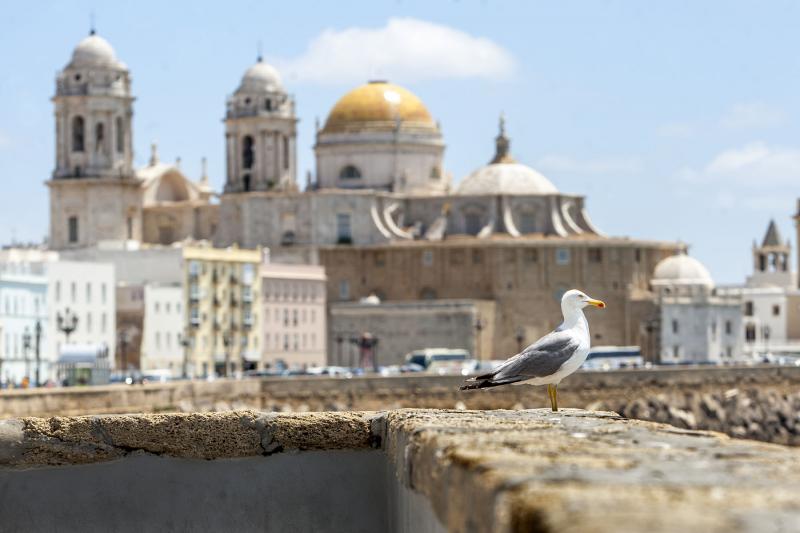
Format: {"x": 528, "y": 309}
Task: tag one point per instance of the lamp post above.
{"x": 26, "y": 346}
{"x": 479, "y": 325}
{"x": 520, "y": 336}
{"x": 122, "y": 339}
{"x": 339, "y": 341}
{"x": 186, "y": 342}
{"x": 67, "y": 322}
{"x": 226, "y": 341}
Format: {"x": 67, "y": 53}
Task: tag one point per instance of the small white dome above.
{"x": 682, "y": 270}
{"x": 506, "y": 178}
{"x": 94, "y": 51}
{"x": 261, "y": 78}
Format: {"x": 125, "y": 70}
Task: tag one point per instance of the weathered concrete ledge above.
{"x": 533, "y": 470}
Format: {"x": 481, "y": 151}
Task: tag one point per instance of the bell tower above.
{"x": 771, "y": 260}
{"x": 94, "y": 193}
{"x": 260, "y": 134}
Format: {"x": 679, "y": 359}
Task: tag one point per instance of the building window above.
{"x": 247, "y": 152}
{"x": 268, "y": 104}
{"x": 88, "y": 293}
{"x": 637, "y": 255}
{"x": 120, "y": 136}
{"x": 88, "y": 322}
{"x": 427, "y": 294}
{"x": 58, "y": 292}
{"x": 472, "y": 223}
{"x": 456, "y": 257}
{"x": 350, "y": 172}
{"x": 130, "y": 228}
{"x": 380, "y": 259}
{"x": 343, "y": 229}
{"x": 72, "y": 227}
{"x": 103, "y": 323}
{"x": 427, "y": 258}
{"x": 527, "y": 223}
{"x": 728, "y": 327}
{"x": 595, "y": 255}
{"x": 714, "y": 330}
{"x": 344, "y": 290}
{"x": 776, "y": 310}
{"x": 436, "y": 173}
{"x": 562, "y": 256}
{"x": 477, "y": 257}
{"x": 674, "y": 326}
{"x": 729, "y": 352}
{"x": 676, "y": 351}
{"x": 748, "y": 309}
{"x": 285, "y": 152}
{"x": 158, "y": 339}
{"x": 77, "y": 134}
{"x": 100, "y": 137}
{"x": 750, "y": 333}
{"x": 530, "y": 255}
{"x": 294, "y": 318}
{"x": 73, "y": 292}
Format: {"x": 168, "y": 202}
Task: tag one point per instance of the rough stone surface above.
{"x": 754, "y": 402}
{"x": 506, "y": 471}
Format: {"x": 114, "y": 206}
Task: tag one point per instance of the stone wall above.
{"x": 403, "y": 471}
{"x": 757, "y": 402}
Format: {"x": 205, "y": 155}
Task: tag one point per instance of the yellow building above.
{"x": 222, "y": 291}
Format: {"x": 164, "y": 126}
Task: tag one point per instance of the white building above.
{"x": 37, "y": 286}
{"x": 697, "y": 325}
{"x": 770, "y": 300}
{"x": 293, "y": 317}
{"x": 162, "y": 346}
{"x": 85, "y": 291}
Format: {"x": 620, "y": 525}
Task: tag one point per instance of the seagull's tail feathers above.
{"x": 487, "y": 380}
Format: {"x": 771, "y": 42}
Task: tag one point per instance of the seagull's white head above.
{"x": 575, "y": 299}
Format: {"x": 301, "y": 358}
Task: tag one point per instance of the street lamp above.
{"x": 67, "y": 322}
{"x": 26, "y": 346}
{"x": 122, "y": 339}
{"x": 520, "y": 336}
{"x": 186, "y": 342}
{"x": 226, "y": 341}
{"x": 479, "y": 325}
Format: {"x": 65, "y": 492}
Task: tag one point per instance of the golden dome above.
{"x": 376, "y": 106}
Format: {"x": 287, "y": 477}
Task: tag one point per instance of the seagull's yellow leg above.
{"x": 551, "y": 392}
{"x": 555, "y": 397}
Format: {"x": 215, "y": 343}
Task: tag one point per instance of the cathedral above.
{"x": 380, "y": 212}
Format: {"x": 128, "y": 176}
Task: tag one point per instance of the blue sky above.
{"x": 678, "y": 120}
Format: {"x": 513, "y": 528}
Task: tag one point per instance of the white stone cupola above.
{"x": 93, "y": 111}
{"x": 260, "y": 133}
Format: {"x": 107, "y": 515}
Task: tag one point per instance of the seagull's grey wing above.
{"x": 542, "y": 358}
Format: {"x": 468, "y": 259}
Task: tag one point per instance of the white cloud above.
{"x": 752, "y": 115}
{"x": 754, "y": 165}
{"x": 741, "y": 116}
{"x": 405, "y": 49}
{"x": 680, "y": 130}
{"x": 601, "y": 165}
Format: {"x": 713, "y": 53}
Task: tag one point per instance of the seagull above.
{"x": 550, "y": 359}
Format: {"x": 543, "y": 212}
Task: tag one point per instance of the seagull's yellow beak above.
{"x": 597, "y": 303}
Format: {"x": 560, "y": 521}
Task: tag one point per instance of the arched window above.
{"x": 247, "y": 152}
{"x": 120, "y": 136}
{"x": 77, "y": 134}
{"x": 350, "y": 172}
{"x": 99, "y": 137}
{"x": 472, "y": 223}
{"x": 268, "y": 104}
{"x": 436, "y": 173}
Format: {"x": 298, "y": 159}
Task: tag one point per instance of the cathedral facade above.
{"x": 381, "y": 212}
